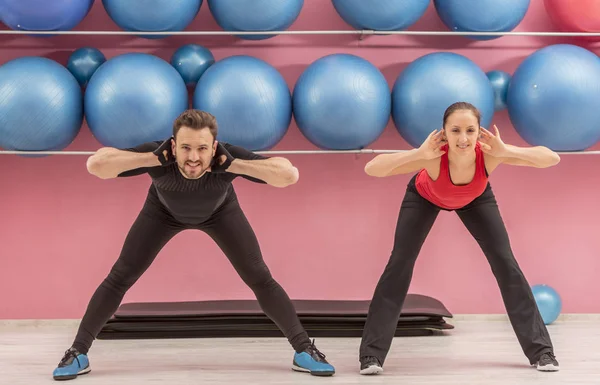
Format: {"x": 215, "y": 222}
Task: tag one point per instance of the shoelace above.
{"x": 371, "y": 359}
{"x": 68, "y": 354}
{"x": 314, "y": 349}
{"x": 549, "y": 355}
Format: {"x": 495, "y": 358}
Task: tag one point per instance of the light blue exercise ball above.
{"x": 553, "y": 98}
{"x": 255, "y": 15}
{"x": 152, "y": 15}
{"x": 381, "y": 15}
{"x": 44, "y": 15}
{"x": 83, "y": 62}
{"x": 500, "y": 81}
{"x": 134, "y": 98}
{"x": 429, "y": 85}
{"x": 41, "y": 105}
{"x": 342, "y": 102}
{"x": 191, "y": 61}
{"x": 250, "y": 100}
{"x": 548, "y": 302}
{"x": 481, "y": 15}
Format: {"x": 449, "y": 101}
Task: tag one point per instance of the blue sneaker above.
{"x": 312, "y": 361}
{"x": 72, "y": 365}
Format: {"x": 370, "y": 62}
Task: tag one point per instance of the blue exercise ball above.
{"x": 255, "y": 15}
{"x": 382, "y": 15}
{"x": 191, "y": 61}
{"x": 152, "y": 15}
{"x": 430, "y": 84}
{"x": 481, "y": 15}
{"x": 548, "y": 302}
{"x": 341, "y": 102}
{"x": 500, "y": 81}
{"x": 83, "y": 62}
{"x": 134, "y": 98}
{"x": 43, "y": 15}
{"x": 553, "y": 98}
{"x": 41, "y": 105}
{"x": 250, "y": 100}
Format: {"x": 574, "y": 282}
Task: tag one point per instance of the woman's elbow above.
{"x": 551, "y": 160}
{"x": 93, "y": 164}
{"x": 370, "y": 170}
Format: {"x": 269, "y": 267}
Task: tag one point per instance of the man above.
{"x": 191, "y": 189}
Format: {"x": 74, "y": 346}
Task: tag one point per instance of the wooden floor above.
{"x": 478, "y": 351}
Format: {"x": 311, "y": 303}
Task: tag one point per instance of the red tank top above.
{"x": 443, "y": 192}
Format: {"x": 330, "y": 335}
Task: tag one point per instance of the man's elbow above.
{"x": 291, "y": 177}
{"x": 95, "y": 166}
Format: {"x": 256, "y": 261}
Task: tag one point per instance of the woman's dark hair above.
{"x": 462, "y": 106}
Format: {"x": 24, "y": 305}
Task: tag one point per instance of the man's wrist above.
{"x": 152, "y": 159}
{"x": 236, "y": 166}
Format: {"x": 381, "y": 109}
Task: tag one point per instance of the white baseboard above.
{"x": 35, "y": 323}
{"x": 503, "y": 317}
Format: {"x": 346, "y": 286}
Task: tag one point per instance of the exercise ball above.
{"x": 575, "y": 16}
{"x": 500, "y": 81}
{"x": 255, "y": 15}
{"x": 429, "y": 85}
{"x": 481, "y": 15}
{"x": 43, "y": 15}
{"x": 341, "y": 102}
{"x": 41, "y": 105}
{"x": 249, "y": 98}
{"x": 83, "y": 62}
{"x": 553, "y": 98}
{"x": 134, "y": 98}
{"x": 152, "y": 15}
{"x": 548, "y": 302}
{"x": 382, "y": 15}
{"x": 191, "y": 61}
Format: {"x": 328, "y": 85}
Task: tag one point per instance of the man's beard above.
{"x": 196, "y": 173}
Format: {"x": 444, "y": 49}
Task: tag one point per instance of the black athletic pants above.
{"x": 482, "y": 219}
{"x": 152, "y": 229}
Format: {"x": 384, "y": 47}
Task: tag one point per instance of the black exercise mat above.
{"x": 173, "y": 334}
{"x": 182, "y": 325}
{"x": 187, "y": 329}
{"x": 421, "y": 315}
{"x": 414, "y": 305}
{"x": 265, "y": 319}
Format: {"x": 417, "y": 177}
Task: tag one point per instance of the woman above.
{"x": 454, "y": 165}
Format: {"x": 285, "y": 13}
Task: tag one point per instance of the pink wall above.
{"x": 53, "y": 255}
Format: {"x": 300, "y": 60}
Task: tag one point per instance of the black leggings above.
{"x": 482, "y": 219}
{"x": 153, "y": 228}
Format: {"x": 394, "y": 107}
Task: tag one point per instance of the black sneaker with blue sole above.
{"x": 312, "y": 361}
{"x": 72, "y": 365}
